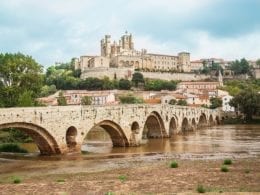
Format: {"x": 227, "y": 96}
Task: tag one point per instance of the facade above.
{"x": 122, "y": 54}
{"x": 73, "y": 97}
{"x": 225, "y": 104}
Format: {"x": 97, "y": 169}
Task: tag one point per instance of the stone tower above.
{"x": 220, "y": 79}
{"x": 106, "y": 46}
{"x": 184, "y": 61}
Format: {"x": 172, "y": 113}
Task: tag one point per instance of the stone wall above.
{"x": 126, "y": 73}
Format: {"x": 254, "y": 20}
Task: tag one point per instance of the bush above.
{"x": 174, "y": 164}
{"x": 201, "y": 189}
{"x": 227, "y": 162}
{"x": 17, "y": 180}
{"x": 224, "y": 168}
{"x": 122, "y": 178}
{"x": 12, "y": 148}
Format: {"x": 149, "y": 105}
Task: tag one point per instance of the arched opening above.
{"x": 217, "y": 120}
{"x": 102, "y": 137}
{"x": 172, "y": 127}
{"x": 135, "y": 127}
{"x": 211, "y": 121}
{"x": 71, "y": 135}
{"x": 154, "y": 127}
{"x": 41, "y": 137}
{"x": 193, "y": 123}
{"x": 185, "y": 125}
{"x": 202, "y": 120}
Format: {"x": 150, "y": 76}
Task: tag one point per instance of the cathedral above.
{"x": 122, "y": 54}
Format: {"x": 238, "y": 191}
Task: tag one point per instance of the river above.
{"x": 218, "y": 139}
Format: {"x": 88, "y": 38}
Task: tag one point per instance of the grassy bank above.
{"x": 239, "y": 121}
{"x": 12, "y": 147}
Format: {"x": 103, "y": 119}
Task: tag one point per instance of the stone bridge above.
{"x": 61, "y": 129}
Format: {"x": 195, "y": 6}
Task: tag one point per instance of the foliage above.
{"x": 62, "y": 100}
{"x": 234, "y": 87}
{"x": 172, "y": 102}
{"x": 18, "y": 73}
{"x": 11, "y": 147}
{"x": 137, "y": 78}
{"x": 182, "y": 103}
{"x": 215, "y": 102}
{"x": 130, "y": 99}
{"x": 12, "y": 135}
{"x": 258, "y": 63}
{"x": 86, "y": 100}
{"x": 174, "y": 164}
{"x": 248, "y": 102}
{"x": 47, "y": 90}
{"x": 124, "y": 84}
{"x": 17, "y": 180}
{"x": 25, "y": 99}
{"x": 158, "y": 85}
{"x": 240, "y": 67}
{"x": 213, "y": 67}
{"x": 201, "y": 189}
{"x": 224, "y": 168}
{"x": 122, "y": 178}
{"x": 227, "y": 162}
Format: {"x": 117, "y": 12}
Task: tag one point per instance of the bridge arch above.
{"x": 135, "y": 128}
{"x": 42, "y": 138}
{"x": 211, "y": 121}
{"x": 217, "y": 120}
{"x": 115, "y": 132}
{"x": 193, "y": 124}
{"x": 173, "y": 126}
{"x": 71, "y": 135}
{"x": 154, "y": 126}
{"x": 202, "y": 120}
{"x": 185, "y": 125}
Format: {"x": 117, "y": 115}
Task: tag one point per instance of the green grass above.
{"x": 227, "y": 162}
{"x": 11, "y": 147}
{"x": 201, "y": 189}
{"x": 122, "y": 178}
{"x": 60, "y": 180}
{"x": 224, "y": 168}
{"x": 109, "y": 193}
{"x": 174, "y": 164}
{"x": 17, "y": 180}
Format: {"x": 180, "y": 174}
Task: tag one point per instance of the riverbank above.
{"x": 133, "y": 175}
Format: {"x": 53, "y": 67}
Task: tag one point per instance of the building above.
{"x": 73, "y": 97}
{"x": 225, "y": 104}
{"x": 122, "y": 54}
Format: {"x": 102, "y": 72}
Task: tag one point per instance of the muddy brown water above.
{"x": 217, "y": 139}
{"x": 211, "y": 142}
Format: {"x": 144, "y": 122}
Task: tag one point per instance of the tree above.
{"x": 137, "y": 78}
{"x": 182, "y": 103}
{"x": 47, "y": 90}
{"x": 18, "y": 73}
{"x": 61, "y": 100}
{"x": 25, "y": 99}
{"x": 86, "y": 100}
{"x": 215, "y": 102}
{"x": 172, "y": 102}
{"x": 130, "y": 99}
{"x": 240, "y": 67}
{"x": 124, "y": 84}
{"x": 248, "y": 102}
{"x": 258, "y": 63}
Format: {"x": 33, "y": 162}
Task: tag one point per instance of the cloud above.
{"x": 57, "y": 30}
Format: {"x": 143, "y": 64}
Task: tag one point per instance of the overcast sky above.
{"x": 57, "y": 30}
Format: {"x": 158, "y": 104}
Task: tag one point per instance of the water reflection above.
{"x": 228, "y": 138}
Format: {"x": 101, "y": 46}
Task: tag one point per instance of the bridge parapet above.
{"x": 62, "y": 128}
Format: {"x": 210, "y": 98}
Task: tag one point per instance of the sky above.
{"x": 57, "y": 30}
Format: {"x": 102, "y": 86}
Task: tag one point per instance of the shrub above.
{"x": 201, "y": 189}
{"x": 61, "y": 180}
{"x": 10, "y": 147}
{"x": 227, "y": 162}
{"x": 122, "y": 178}
{"x": 17, "y": 180}
{"x": 224, "y": 168}
{"x": 174, "y": 164}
